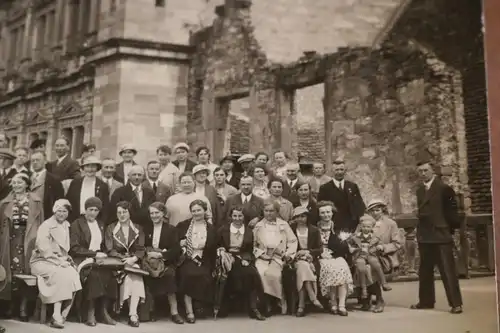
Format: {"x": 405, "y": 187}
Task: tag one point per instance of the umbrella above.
{"x": 223, "y": 266}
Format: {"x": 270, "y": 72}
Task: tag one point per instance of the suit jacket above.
{"x": 235, "y": 180}
{"x": 210, "y": 250}
{"x": 312, "y": 207}
{"x": 224, "y": 240}
{"x": 349, "y": 203}
{"x": 73, "y": 196}
{"x": 114, "y": 186}
{"x": 189, "y": 165}
{"x": 437, "y": 213}
{"x": 120, "y": 172}
{"x": 139, "y": 212}
{"x": 169, "y": 242}
{"x": 163, "y": 191}
{"x": 315, "y": 185}
{"x": 67, "y": 169}
{"x": 52, "y": 191}
{"x": 251, "y": 210}
{"x": 290, "y": 193}
{"x": 217, "y": 209}
{"x": 80, "y": 237}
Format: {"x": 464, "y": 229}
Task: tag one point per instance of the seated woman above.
{"x": 125, "y": 240}
{"x": 21, "y": 215}
{"x": 99, "y": 283}
{"x": 304, "y": 198}
{"x": 163, "y": 252}
{"x": 198, "y": 239}
{"x": 335, "y": 277}
{"x": 57, "y": 277}
{"x": 306, "y": 260}
{"x": 235, "y": 241}
{"x": 274, "y": 245}
{"x": 275, "y": 186}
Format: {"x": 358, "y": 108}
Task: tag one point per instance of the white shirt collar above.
{"x": 247, "y": 197}
{"x": 153, "y": 182}
{"x": 134, "y": 188}
{"x": 429, "y": 183}
{"x": 339, "y": 182}
{"x": 235, "y": 230}
{"x": 59, "y": 160}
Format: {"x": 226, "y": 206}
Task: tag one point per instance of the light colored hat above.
{"x": 181, "y": 145}
{"x": 200, "y": 167}
{"x": 246, "y": 158}
{"x": 299, "y": 211}
{"x": 7, "y": 154}
{"x": 92, "y": 160}
{"x": 126, "y": 147}
{"x": 61, "y": 203}
{"x": 375, "y": 203}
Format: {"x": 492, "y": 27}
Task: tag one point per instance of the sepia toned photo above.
{"x": 232, "y": 165}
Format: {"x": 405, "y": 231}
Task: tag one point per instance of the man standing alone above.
{"x": 437, "y": 219}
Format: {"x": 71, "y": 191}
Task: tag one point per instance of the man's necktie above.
{"x": 245, "y": 201}
{"x": 341, "y": 187}
{"x": 137, "y": 194}
{"x": 155, "y": 188}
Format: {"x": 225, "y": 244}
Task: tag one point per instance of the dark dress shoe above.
{"x": 343, "y": 313}
{"x": 133, "y": 321}
{"x": 152, "y": 317}
{"x": 2, "y": 329}
{"x": 177, "y": 319}
{"x": 191, "y": 320}
{"x": 24, "y": 318}
{"x": 255, "y": 314}
{"x": 456, "y": 310}
{"x": 419, "y": 306}
{"x": 300, "y": 313}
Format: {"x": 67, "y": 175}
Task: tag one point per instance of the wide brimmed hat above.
{"x": 228, "y": 158}
{"x": 299, "y": 211}
{"x": 92, "y": 160}
{"x": 376, "y": 203}
{"x": 200, "y": 168}
{"x": 6, "y": 153}
{"x": 181, "y": 145}
{"x": 38, "y": 143}
{"x": 126, "y": 147}
{"x": 246, "y": 158}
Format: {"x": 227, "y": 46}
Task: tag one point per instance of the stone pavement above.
{"x": 479, "y": 317}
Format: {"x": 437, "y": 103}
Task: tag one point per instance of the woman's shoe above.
{"x": 133, "y": 321}
{"x": 190, "y": 319}
{"x": 343, "y": 312}
{"x": 255, "y": 314}
{"x": 334, "y": 310}
{"x": 386, "y": 287}
{"x": 300, "y": 312}
{"x": 176, "y": 318}
{"x": 318, "y": 304}
{"x": 24, "y": 318}
{"x": 379, "y": 307}
{"x": 56, "y": 324}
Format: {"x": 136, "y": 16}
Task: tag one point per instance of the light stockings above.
{"x": 133, "y": 305}
{"x": 306, "y": 288}
{"x": 188, "y": 302}
{"x": 339, "y": 292}
{"x": 172, "y": 301}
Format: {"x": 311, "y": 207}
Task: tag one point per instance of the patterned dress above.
{"x": 19, "y": 218}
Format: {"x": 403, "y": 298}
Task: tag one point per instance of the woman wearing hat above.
{"x": 306, "y": 261}
{"x": 57, "y": 277}
{"x": 182, "y": 162}
{"x": 87, "y": 187}
{"x": 87, "y": 241}
{"x": 127, "y": 153}
{"x": 391, "y": 241}
{"x": 21, "y": 214}
{"x": 162, "y": 257}
{"x": 233, "y": 177}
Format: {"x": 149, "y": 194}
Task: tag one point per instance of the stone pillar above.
{"x": 73, "y": 142}
{"x": 28, "y": 35}
{"x": 328, "y": 108}
{"x": 87, "y": 127}
{"x": 82, "y": 16}
{"x": 94, "y": 16}
{"x": 288, "y": 123}
{"x": 4, "y": 46}
{"x": 66, "y": 26}
{"x": 51, "y": 137}
{"x": 58, "y": 23}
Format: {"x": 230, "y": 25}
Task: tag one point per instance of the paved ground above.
{"x": 479, "y": 317}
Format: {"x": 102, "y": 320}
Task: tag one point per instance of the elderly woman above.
{"x": 125, "y": 240}
{"x": 198, "y": 239}
{"x": 178, "y": 205}
{"x": 306, "y": 260}
{"x": 391, "y": 241}
{"x": 275, "y": 186}
{"x": 304, "y": 198}
{"x": 235, "y": 241}
{"x": 259, "y": 173}
{"x": 163, "y": 252}
{"x": 335, "y": 277}
{"x": 274, "y": 245}
{"x": 20, "y": 217}
{"x": 87, "y": 245}
{"x": 57, "y": 277}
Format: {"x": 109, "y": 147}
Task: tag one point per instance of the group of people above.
{"x": 101, "y": 236}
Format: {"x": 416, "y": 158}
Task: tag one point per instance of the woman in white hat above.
{"x": 57, "y": 277}
{"x": 127, "y": 153}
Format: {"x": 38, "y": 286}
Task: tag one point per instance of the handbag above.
{"x": 386, "y": 264}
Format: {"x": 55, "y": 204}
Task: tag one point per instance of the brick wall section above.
{"x": 240, "y": 136}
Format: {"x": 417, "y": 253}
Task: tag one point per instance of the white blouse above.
{"x": 198, "y": 239}
{"x": 88, "y": 191}
{"x": 95, "y": 236}
{"x": 156, "y": 234}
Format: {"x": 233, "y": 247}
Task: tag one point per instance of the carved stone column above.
{"x": 51, "y": 137}
{"x": 67, "y": 23}
{"x": 94, "y": 16}
{"x": 28, "y": 35}
{"x": 58, "y": 23}
{"x": 87, "y": 127}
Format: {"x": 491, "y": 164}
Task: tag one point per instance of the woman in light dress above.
{"x": 259, "y": 172}
{"x": 274, "y": 245}
{"x": 57, "y": 277}
{"x": 335, "y": 279}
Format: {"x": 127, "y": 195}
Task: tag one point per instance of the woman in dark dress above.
{"x": 304, "y": 198}
{"x": 306, "y": 260}
{"x": 198, "y": 239}
{"x": 162, "y": 256}
{"x": 235, "y": 242}
{"x": 87, "y": 244}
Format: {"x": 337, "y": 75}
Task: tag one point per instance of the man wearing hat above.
{"x": 44, "y": 184}
{"x": 232, "y": 178}
{"x": 87, "y": 187}
{"x": 246, "y": 162}
{"x": 202, "y": 186}
{"x": 6, "y": 158}
{"x": 127, "y": 153}
{"x": 182, "y": 162}
{"x": 64, "y": 167}
{"x": 38, "y": 145}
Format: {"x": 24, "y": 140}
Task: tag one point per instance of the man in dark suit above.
{"x": 64, "y": 167}
{"x": 182, "y": 162}
{"x": 44, "y": 184}
{"x": 138, "y": 196}
{"x": 437, "y": 219}
{"x": 292, "y": 182}
{"x": 253, "y": 207}
{"x": 346, "y": 197}
{"x": 127, "y": 153}
{"x": 161, "y": 190}
{"x": 107, "y": 175}
{"x": 6, "y": 159}
{"x": 87, "y": 187}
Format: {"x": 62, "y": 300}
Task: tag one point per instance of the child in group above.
{"x": 365, "y": 248}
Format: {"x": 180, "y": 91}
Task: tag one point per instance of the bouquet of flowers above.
{"x": 304, "y": 255}
{"x": 344, "y": 236}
